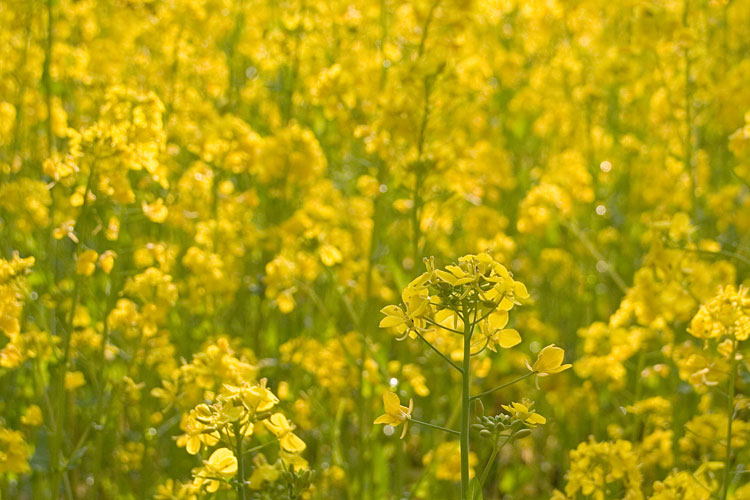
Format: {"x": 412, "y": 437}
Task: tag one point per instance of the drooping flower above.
{"x": 395, "y": 413}
{"x": 282, "y": 429}
{"x": 549, "y": 361}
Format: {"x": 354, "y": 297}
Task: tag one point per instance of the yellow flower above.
{"x": 86, "y": 263}
{"x": 395, "y": 413}
{"x": 14, "y": 457}
{"x": 293, "y": 460}
{"x": 454, "y": 275}
{"x": 257, "y": 397}
{"x": 222, "y": 462}
{"x": 221, "y": 465}
{"x": 549, "y": 361}
{"x": 492, "y": 332}
{"x": 524, "y": 413}
{"x": 330, "y": 255}
{"x": 107, "y": 261}
{"x": 33, "y": 416}
{"x": 447, "y": 458}
{"x": 74, "y": 380}
{"x": 156, "y": 211}
{"x": 282, "y": 429}
{"x": 197, "y": 432}
{"x": 262, "y": 472}
{"x": 394, "y": 318}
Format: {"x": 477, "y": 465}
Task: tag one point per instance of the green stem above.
{"x": 465, "y": 405}
{"x": 446, "y": 328}
{"x": 495, "y": 450}
{"x": 56, "y": 446}
{"x": 446, "y": 358}
{"x": 730, "y": 418}
{"x": 47, "y": 76}
{"x": 427, "y": 424}
{"x": 240, "y": 462}
{"x": 499, "y": 387}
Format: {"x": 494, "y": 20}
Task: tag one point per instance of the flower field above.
{"x": 375, "y": 249}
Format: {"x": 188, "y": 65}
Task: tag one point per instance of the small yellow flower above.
{"x": 74, "y": 380}
{"x": 156, "y": 211}
{"x": 524, "y": 413}
{"x": 282, "y": 429}
{"x": 549, "y": 361}
{"x": 221, "y": 464}
{"x": 447, "y": 459}
{"x": 86, "y": 263}
{"x": 33, "y": 416}
{"x": 395, "y": 413}
{"x": 492, "y": 332}
{"x": 107, "y": 261}
{"x": 330, "y": 255}
{"x": 394, "y": 318}
{"x": 262, "y": 472}
{"x": 257, "y": 397}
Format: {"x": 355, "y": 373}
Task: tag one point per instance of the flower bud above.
{"x": 522, "y": 433}
{"x": 478, "y": 408}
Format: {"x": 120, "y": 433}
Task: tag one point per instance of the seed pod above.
{"x": 522, "y": 433}
{"x": 262, "y": 415}
{"x": 478, "y": 408}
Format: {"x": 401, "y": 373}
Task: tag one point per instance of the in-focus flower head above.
{"x": 523, "y": 412}
{"x": 282, "y": 429}
{"x": 549, "y": 361}
{"x": 395, "y": 413}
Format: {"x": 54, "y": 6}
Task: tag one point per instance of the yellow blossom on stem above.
{"x": 221, "y": 465}
{"x": 524, "y": 413}
{"x": 282, "y": 429}
{"x": 86, "y": 262}
{"x": 549, "y": 361}
{"x": 395, "y": 412}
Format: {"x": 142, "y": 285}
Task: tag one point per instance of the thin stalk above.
{"x": 488, "y": 466}
{"x": 730, "y": 418}
{"x": 56, "y": 446}
{"x": 465, "y": 405}
{"x": 47, "y": 76}
{"x": 446, "y": 358}
{"x": 688, "y": 153}
{"x": 503, "y": 386}
{"x": 433, "y": 426}
{"x": 447, "y": 329}
{"x": 240, "y": 462}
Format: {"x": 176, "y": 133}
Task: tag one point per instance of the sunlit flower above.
{"x": 395, "y": 413}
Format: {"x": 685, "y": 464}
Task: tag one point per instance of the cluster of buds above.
{"x": 515, "y": 424}
{"x": 297, "y": 481}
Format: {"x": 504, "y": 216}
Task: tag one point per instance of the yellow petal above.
{"x": 498, "y": 319}
{"x": 549, "y": 358}
{"x": 392, "y": 403}
{"x": 391, "y": 322}
{"x": 519, "y": 290}
{"x": 387, "y": 419}
{"x": 508, "y": 338}
{"x": 292, "y": 443}
{"x": 193, "y": 445}
{"x": 536, "y": 419}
